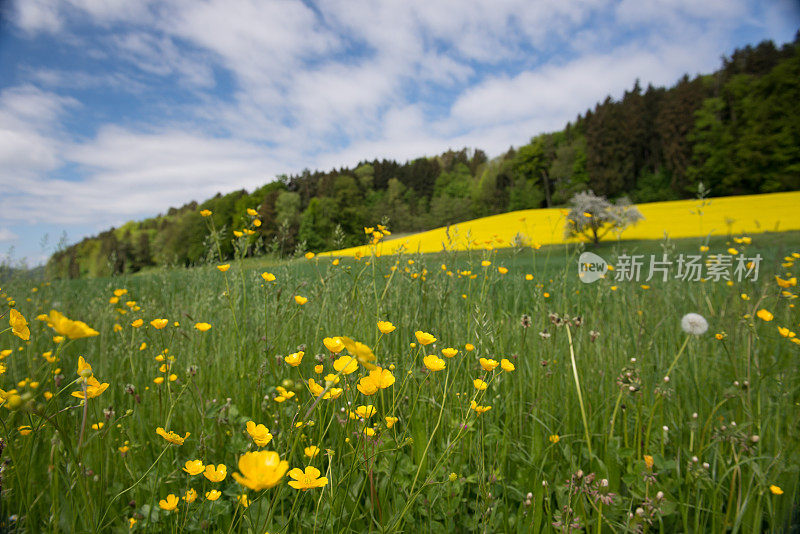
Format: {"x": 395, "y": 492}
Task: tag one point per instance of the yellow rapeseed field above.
{"x": 748, "y": 214}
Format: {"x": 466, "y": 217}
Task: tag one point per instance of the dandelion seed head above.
{"x": 694, "y": 323}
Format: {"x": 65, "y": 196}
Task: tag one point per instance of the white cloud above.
{"x": 7, "y": 235}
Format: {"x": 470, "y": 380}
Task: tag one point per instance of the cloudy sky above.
{"x": 112, "y": 110}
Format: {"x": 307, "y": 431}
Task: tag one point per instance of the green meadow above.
{"x": 554, "y": 413}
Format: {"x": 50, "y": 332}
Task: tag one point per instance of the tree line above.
{"x": 736, "y": 130}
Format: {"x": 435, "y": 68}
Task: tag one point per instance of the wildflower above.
{"x": 124, "y": 449}
{"x": 137, "y": 323}
{"x": 213, "y": 495}
{"x": 158, "y": 380}
{"x": 19, "y": 326}
{"x": 205, "y": 213}
{"x": 694, "y": 323}
{"x": 310, "y": 255}
{"x": 433, "y": 362}
{"x": 346, "y": 364}
{"x": 764, "y": 315}
{"x": 478, "y": 408}
{"x": 485, "y": 263}
{"x": 268, "y": 277}
{"x": 203, "y": 327}
{"x": 424, "y": 338}
{"x": 361, "y": 351}
{"x": 300, "y": 300}
{"x": 333, "y": 344}
{"x": 479, "y": 384}
{"x": 216, "y": 475}
{"x": 744, "y": 296}
{"x": 502, "y": 270}
{"x": 158, "y": 324}
{"x": 720, "y": 336}
{"x": 311, "y": 451}
{"x": 648, "y": 461}
{"x": 93, "y": 389}
{"x": 390, "y": 421}
{"x": 528, "y": 277}
{"x": 785, "y": 332}
{"x": 366, "y": 386}
{"x": 168, "y": 504}
{"x": 259, "y": 433}
{"x": 224, "y": 267}
{"x": 785, "y": 284}
{"x": 469, "y": 347}
{"x": 319, "y": 369}
{"x": 143, "y": 346}
{"x": 194, "y": 467}
{"x": 365, "y": 412}
{"x": 506, "y": 365}
{"x": 171, "y": 436}
{"x": 260, "y": 470}
{"x": 382, "y": 378}
{"x": 190, "y": 495}
{"x": 24, "y": 430}
{"x": 308, "y": 479}
{"x": 554, "y": 438}
{"x": 449, "y": 352}
{"x": 776, "y": 490}
{"x": 98, "y": 426}
{"x": 386, "y": 327}
{"x": 488, "y": 364}
{"x": 295, "y": 358}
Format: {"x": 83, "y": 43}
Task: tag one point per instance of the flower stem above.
{"x": 578, "y": 389}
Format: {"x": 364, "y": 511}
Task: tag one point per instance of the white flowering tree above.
{"x": 591, "y": 217}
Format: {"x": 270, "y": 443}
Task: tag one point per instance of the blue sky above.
{"x": 116, "y": 110}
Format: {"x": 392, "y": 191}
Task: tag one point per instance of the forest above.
{"x": 736, "y": 130}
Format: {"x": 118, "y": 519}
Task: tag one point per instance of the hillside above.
{"x": 737, "y": 130}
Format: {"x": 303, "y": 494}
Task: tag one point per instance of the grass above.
{"x": 583, "y": 433}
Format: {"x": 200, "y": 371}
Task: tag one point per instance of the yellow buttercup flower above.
{"x": 346, "y": 364}
{"x": 190, "y": 495}
{"x": 554, "y": 438}
{"x": 259, "y": 433}
{"x": 311, "y": 451}
{"x": 308, "y": 479}
{"x": 424, "y": 338}
{"x": 260, "y": 470}
{"x": 309, "y": 255}
{"x": 386, "y": 327}
{"x": 19, "y": 326}
{"x": 217, "y": 474}
{"x": 169, "y": 504}
{"x": 203, "y": 327}
{"x": 137, "y": 323}
{"x": 479, "y": 384}
{"x": 449, "y": 352}
{"x": 224, "y": 267}
{"x": 366, "y": 386}
{"x": 776, "y": 490}
{"x": 68, "y": 327}
{"x": 205, "y": 213}
{"x": 502, "y": 270}
{"x": 333, "y": 344}
{"x": 469, "y": 347}
{"x": 488, "y": 364}
{"x": 158, "y": 324}
{"x": 194, "y": 467}
{"x": 171, "y": 436}
{"x": 433, "y": 362}
{"x": 365, "y": 412}
{"x": 361, "y": 351}
{"x": 478, "y": 408}
{"x": 243, "y": 500}
{"x": 300, "y": 300}
{"x": 785, "y": 284}
{"x": 93, "y": 389}
{"x": 486, "y": 263}
{"x": 24, "y": 430}
{"x": 506, "y": 365}
{"x": 295, "y": 358}
{"x": 268, "y": 277}
{"x": 251, "y": 212}
{"x": 764, "y": 315}
{"x": 119, "y": 292}
{"x": 390, "y": 421}
{"x": 648, "y": 461}
{"x": 213, "y": 495}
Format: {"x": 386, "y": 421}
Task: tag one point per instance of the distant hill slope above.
{"x": 737, "y": 130}
{"x": 737, "y": 216}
